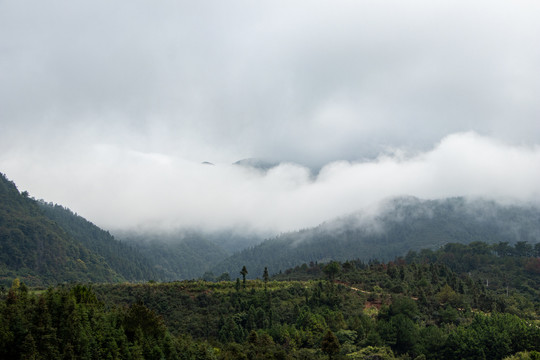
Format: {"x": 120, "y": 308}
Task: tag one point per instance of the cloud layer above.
{"x": 309, "y": 84}
{"x": 128, "y": 189}
{"x": 110, "y": 108}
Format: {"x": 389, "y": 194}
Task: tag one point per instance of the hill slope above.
{"x": 44, "y": 244}
{"x": 401, "y": 225}
{"x": 124, "y": 259}
{"x": 178, "y": 256}
{"x": 39, "y": 251}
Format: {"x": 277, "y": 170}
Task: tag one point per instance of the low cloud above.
{"x": 121, "y": 189}
{"x": 110, "y": 109}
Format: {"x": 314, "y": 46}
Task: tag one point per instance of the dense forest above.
{"x": 180, "y": 255}
{"x": 37, "y": 249}
{"x": 400, "y": 225}
{"x": 443, "y": 304}
{"x": 124, "y": 259}
{"x": 45, "y": 244}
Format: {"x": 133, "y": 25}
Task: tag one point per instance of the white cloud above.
{"x": 164, "y": 86}
{"x": 123, "y": 188}
{"x": 264, "y": 79}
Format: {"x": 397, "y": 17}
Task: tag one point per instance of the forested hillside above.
{"x": 510, "y": 271}
{"x": 38, "y": 250}
{"x": 44, "y": 243}
{"x": 47, "y": 244}
{"x": 187, "y": 254}
{"x": 178, "y": 256}
{"x": 122, "y": 257}
{"x": 416, "y": 307}
{"x": 401, "y": 225}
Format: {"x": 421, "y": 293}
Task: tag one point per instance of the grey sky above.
{"x": 109, "y": 108}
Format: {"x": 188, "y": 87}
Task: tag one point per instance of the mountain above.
{"x": 178, "y": 256}
{"x": 188, "y": 254}
{"x": 123, "y": 258}
{"x": 400, "y": 225}
{"x": 44, "y": 244}
{"x": 260, "y": 164}
{"x": 38, "y": 250}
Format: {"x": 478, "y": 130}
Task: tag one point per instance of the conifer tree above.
{"x": 330, "y": 344}
{"x": 265, "y": 277}
{"x": 244, "y": 272}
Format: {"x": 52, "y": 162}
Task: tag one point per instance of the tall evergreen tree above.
{"x": 265, "y": 276}
{"x": 244, "y": 272}
{"x": 330, "y": 344}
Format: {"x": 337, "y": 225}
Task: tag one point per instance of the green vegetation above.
{"x": 428, "y": 305}
{"x": 403, "y": 224}
{"x": 70, "y": 323}
{"x": 39, "y": 251}
{"x": 46, "y": 244}
{"x": 448, "y": 299}
{"x": 186, "y": 255}
{"x": 125, "y": 260}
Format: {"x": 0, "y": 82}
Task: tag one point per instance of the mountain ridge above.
{"x": 38, "y": 250}
{"x": 45, "y": 243}
{"x": 401, "y": 225}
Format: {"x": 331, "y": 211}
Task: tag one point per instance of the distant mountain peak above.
{"x": 257, "y": 163}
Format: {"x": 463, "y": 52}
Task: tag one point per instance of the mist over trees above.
{"x": 339, "y": 298}
{"x": 401, "y": 225}
{"x": 45, "y": 243}
{"x": 37, "y": 249}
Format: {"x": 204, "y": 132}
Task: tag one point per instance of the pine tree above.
{"x": 265, "y": 277}
{"x": 330, "y": 344}
{"x": 244, "y": 272}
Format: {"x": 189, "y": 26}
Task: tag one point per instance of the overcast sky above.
{"x": 109, "y": 108}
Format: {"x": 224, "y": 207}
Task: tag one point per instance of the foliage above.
{"x": 524, "y": 355}
{"x": 124, "y": 259}
{"x": 71, "y": 323}
{"x": 45, "y": 244}
{"x": 417, "y": 309}
{"x": 186, "y": 255}
{"x": 35, "y": 248}
{"x": 403, "y": 224}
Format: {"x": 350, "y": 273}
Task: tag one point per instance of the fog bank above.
{"x": 126, "y": 189}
